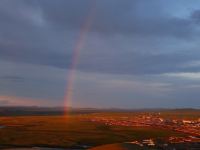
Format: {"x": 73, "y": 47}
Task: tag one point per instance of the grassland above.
{"x": 191, "y": 114}
{"x": 69, "y": 131}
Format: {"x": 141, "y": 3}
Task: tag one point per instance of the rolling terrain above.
{"x": 74, "y": 131}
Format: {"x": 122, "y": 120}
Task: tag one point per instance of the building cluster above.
{"x": 183, "y": 139}
{"x": 172, "y": 143}
{"x": 190, "y": 127}
{"x": 145, "y": 142}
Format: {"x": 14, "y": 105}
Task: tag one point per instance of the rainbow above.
{"x": 75, "y": 56}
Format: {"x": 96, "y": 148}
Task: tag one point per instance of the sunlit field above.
{"x": 70, "y": 131}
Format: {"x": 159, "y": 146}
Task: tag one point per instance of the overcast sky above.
{"x": 135, "y": 53}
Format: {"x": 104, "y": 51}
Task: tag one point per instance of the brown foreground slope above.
{"x": 119, "y": 146}
{"x": 69, "y": 131}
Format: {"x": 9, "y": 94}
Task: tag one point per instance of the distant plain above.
{"x": 74, "y": 130}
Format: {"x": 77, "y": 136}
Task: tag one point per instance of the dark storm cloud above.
{"x": 45, "y": 31}
{"x": 116, "y": 16}
{"x": 196, "y": 16}
{"x": 136, "y": 62}
{"x": 12, "y": 78}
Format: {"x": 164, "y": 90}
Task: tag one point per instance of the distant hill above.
{"x": 35, "y": 110}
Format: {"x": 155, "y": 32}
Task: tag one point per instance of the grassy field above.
{"x": 191, "y": 114}
{"x": 73, "y": 130}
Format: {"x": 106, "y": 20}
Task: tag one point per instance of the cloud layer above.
{"x": 146, "y": 51}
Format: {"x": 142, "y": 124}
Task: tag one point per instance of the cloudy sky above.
{"x": 133, "y": 54}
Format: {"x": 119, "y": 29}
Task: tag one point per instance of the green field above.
{"x": 70, "y": 131}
